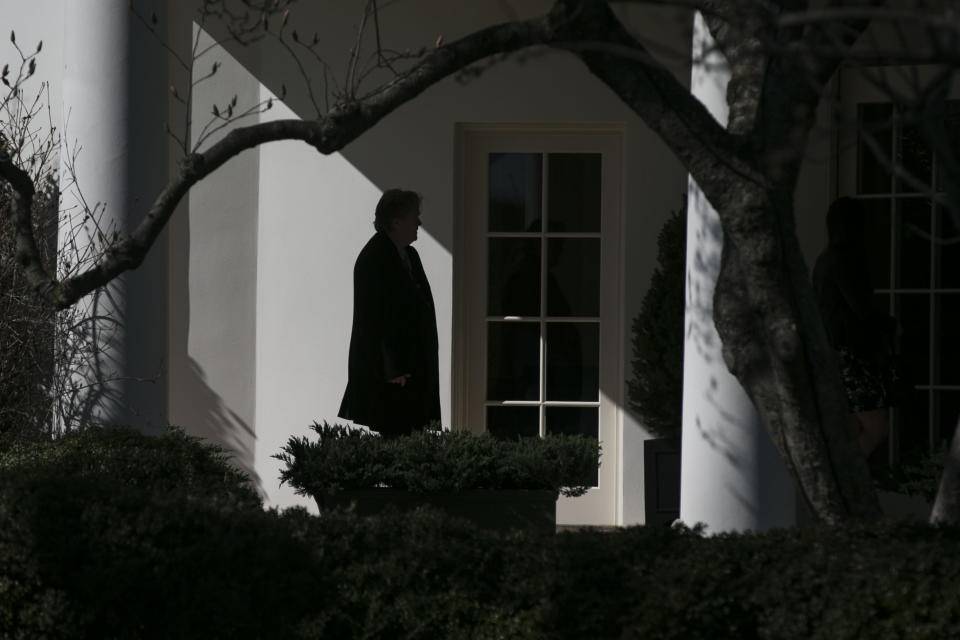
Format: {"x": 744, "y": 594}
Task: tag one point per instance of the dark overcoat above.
{"x": 394, "y": 333}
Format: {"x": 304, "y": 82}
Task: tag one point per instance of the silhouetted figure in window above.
{"x": 855, "y": 329}
{"x": 393, "y": 384}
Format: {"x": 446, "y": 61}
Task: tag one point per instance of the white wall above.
{"x": 316, "y": 213}
{"x": 315, "y": 216}
{"x": 213, "y": 275}
{"x": 261, "y": 254}
{"x": 32, "y": 22}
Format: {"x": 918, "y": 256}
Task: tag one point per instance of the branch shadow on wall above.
{"x": 212, "y": 420}
{"x": 193, "y": 403}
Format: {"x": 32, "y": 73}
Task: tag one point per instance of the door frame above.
{"x": 468, "y": 371}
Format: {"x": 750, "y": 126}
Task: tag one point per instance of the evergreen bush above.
{"x": 655, "y": 391}
{"x": 85, "y": 555}
{"x": 171, "y": 463}
{"x": 344, "y": 458}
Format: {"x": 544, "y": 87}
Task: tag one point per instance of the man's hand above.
{"x": 400, "y": 380}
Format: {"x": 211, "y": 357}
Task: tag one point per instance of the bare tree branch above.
{"x": 664, "y": 104}
{"x": 342, "y": 124}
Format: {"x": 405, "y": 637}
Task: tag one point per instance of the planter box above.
{"x": 661, "y": 480}
{"x": 500, "y": 510}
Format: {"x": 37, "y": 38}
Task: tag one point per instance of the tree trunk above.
{"x": 774, "y": 343}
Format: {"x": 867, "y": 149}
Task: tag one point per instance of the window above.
{"x": 543, "y": 294}
{"x": 916, "y": 276}
{"x": 537, "y": 300}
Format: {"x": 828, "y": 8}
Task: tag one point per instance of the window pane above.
{"x": 948, "y": 412}
{"x": 913, "y": 313}
{"x": 574, "y": 187}
{"x": 513, "y": 283}
{"x": 948, "y": 339}
{"x": 881, "y": 304}
{"x": 573, "y": 361}
{"x": 513, "y": 361}
{"x": 513, "y": 422}
{"x": 573, "y": 277}
{"x": 877, "y": 229}
{"x": 913, "y": 219}
{"x": 952, "y": 126}
{"x": 574, "y": 421}
{"x": 515, "y": 191}
{"x": 948, "y": 255}
{"x": 875, "y": 124}
{"x": 915, "y": 157}
{"x": 912, "y": 424}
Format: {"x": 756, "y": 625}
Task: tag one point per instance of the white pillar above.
{"x": 731, "y": 477}
{"x": 114, "y": 107}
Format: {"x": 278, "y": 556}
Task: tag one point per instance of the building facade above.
{"x": 543, "y": 194}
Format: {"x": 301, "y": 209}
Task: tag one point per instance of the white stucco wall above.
{"x": 314, "y": 218}
{"x": 259, "y": 288}
{"x": 213, "y": 275}
{"x": 315, "y": 213}
{"x": 34, "y": 22}
{"x": 262, "y": 251}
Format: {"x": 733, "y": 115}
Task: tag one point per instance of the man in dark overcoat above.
{"x": 393, "y": 378}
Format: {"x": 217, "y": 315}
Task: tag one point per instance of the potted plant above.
{"x": 655, "y": 391}
{"x": 495, "y": 483}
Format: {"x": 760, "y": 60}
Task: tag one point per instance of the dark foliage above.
{"x": 856, "y": 581}
{"x": 344, "y": 458}
{"x": 86, "y": 554}
{"x": 917, "y": 476}
{"x": 173, "y": 463}
{"x": 655, "y": 390}
{"x": 107, "y": 533}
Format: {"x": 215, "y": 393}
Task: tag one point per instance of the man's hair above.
{"x": 394, "y": 203}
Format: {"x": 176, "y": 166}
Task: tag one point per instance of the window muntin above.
{"x": 916, "y": 276}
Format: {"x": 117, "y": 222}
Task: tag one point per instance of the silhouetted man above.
{"x": 393, "y": 382}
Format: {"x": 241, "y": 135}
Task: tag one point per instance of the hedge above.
{"x": 345, "y": 458}
{"x": 81, "y": 556}
{"x": 171, "y": 463}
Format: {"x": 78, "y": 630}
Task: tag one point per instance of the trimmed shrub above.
{"x": 108, "y": 533}
{"x": 344, "y": 458}
{"x": 177, "y": 569}
{"x": 856, "y": 581}
{"x": 83, "y": 556}
{"x": 171, "y": 463}
{"x": 76, "y": 516}
{"x": 82, "y": 568}
{"x": 655, "y": 391}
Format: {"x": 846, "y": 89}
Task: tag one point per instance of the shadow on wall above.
{"x": 732, "y": 445}
{"x": 212, "y": 420}
{"x": 194, "y": 401}
{"x": 705, "y": 240}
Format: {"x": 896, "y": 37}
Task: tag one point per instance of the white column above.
{"x": 731, "y": 476}
{"x": 114, "y": 107}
